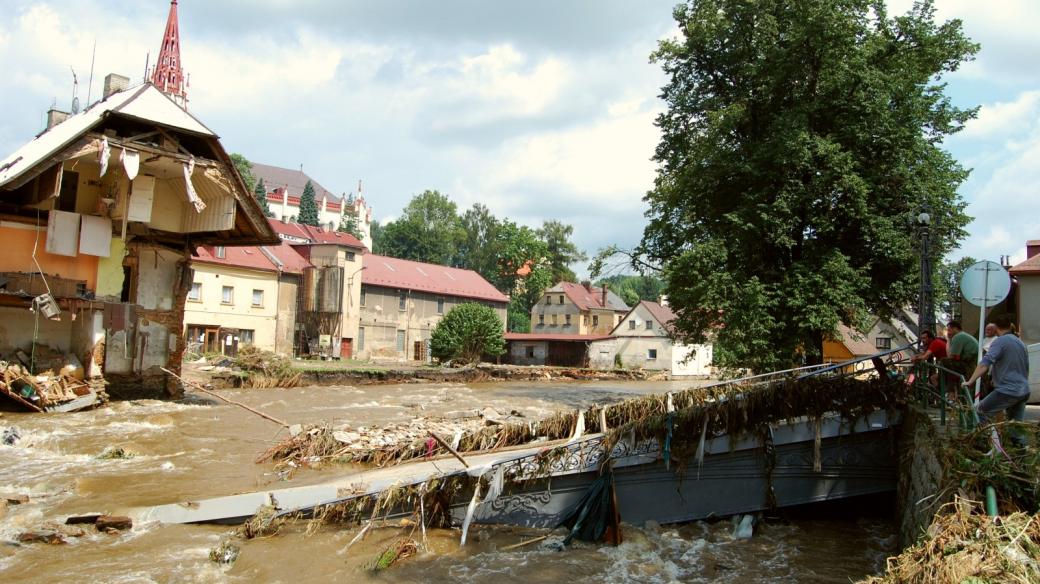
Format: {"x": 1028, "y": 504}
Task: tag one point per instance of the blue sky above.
{"x": 537, "y": 109}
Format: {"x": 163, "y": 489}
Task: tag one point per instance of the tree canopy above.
{"x": 466, "y": 333}
{"x": 632, "y": 289}
{"x": 308, "y": 207}
{"x": 562, "y": 251}
{"x": 260, "y": 193}
{"x": 800, "y": 139}
{"x": 428, "y": 230}
{"x": 245, "y": 170}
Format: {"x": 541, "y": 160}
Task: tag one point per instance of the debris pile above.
{"x": 59, "y": 385}
{"x": 266, "y": 369}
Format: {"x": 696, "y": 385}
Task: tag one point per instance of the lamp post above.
{"x": 926, "y": 293}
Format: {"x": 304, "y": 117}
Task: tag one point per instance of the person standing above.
{"x": 1008, "y": 362}
{"x": 934, "y": 348}
{"x": 991, "y": 335}
{"x": 962, "y": 349}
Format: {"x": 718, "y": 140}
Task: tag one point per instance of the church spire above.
{"x": 168, "y": 75}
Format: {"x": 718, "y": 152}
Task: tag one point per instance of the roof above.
{"x": 270, "y": 258}
{"x": 586, "y": 299}
{"x": 1028, "y": 267}
{"x": 144, "y": 102}
{"x": 291, "y": 179}
{"x": 856, "y": 342}
{"x": 661, "y": 313}
{"x": 390, "y": 272}
{"x": 554, "y": 337}
{"x": 308, "y": 234}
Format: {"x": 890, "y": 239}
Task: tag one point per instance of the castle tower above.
{"x": 168, "y": 75}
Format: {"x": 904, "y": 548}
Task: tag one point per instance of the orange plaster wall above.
{"x": 16, "y": 247}
{"x": 835, "y": 351}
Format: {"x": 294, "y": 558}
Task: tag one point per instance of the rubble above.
{"x": 112, "y": 523}
{"x": 58, "y": 384}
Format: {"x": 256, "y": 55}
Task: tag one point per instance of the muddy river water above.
{"x": 196, "y": 449}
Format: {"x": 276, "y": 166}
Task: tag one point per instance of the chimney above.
{"x": 604, "y": 296}
{"x": 114, "y": 83}
{"x": 55, "y": 116}
{"x": 1032, "y": 248}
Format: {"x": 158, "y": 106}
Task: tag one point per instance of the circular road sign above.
{"x": 985, "y": 283}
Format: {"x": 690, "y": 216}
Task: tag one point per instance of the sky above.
{"x": 538, "y": 109}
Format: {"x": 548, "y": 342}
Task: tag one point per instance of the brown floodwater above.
{"x": 196, "y": 449}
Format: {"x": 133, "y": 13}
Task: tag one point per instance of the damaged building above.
{"x": 100, "y": 214}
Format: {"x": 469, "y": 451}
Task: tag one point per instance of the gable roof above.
{"x": 390, "y": 272}
{"x": 554, "y": 337}
{"x": 585, "y": 299}
{"x": 1030, "y": 266}
{"x": 274, "y": 258}
{"x": 856, "y": 342}
{"x": 300, "y": 234}
{"x": 291, "y": 179}
{"x": 659, "y": 312}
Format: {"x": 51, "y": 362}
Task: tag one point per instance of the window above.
{"x": 883, "y": 343}
{"x": 400, "y": 341}
{"x": 631, "y": 325}
{"x": 561, "y": 298}
{"x": 554, "y": 320}
{"x": 363, "y": 296}
{"x": 541, "y": 319}
{"x": 227, "y": 295}
{"x": 567, "y": 319}
{"x": 195, "y": 294}
{"x": 258, "y": 297}
{"x": 595, "y": 320}
{"x": 649, "y": 325}
{"x": 585, "y": 319}
{"x": 651, "y": 354}
{"x": 361, "y": 339}
{"x": 402, "y": 301}
{"x": 350, "y": 256}
{"x": 620, "y": 318}
{"x": 548, "y": 300}
{"x": 221, "y": 252}
{"x": 440, "y": 306}
{"x": 245, "y": 337}
{"x": 529, "y": 351}
{"x": 330, "y": 226}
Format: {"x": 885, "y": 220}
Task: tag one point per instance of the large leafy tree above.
{"x": 479, "y": 246}
{"x": 632, "y": 289}
{"x": 800, "y": 138}
{"x": 466, "y": 333}
{"x": 308, "y": 207}
{"x": 244, "y": 168}
{"x": 260, "y": 193}
{"x": 429, "y": 230}
{"x": 562, "y": 251}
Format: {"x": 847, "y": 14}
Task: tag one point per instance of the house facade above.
{"x": 577, "y": 309}
{"x": 244, "y": 296}
{"x": 99, "y": 213}
{"x": 285, "y": 186}
{"x": 1027, "y": 273}
{"x": 645, "y": 339}
{"x": 401, "y": 302}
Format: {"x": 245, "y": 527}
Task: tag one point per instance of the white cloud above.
{"x": 1004, "y": 119}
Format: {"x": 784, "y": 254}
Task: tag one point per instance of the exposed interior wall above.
{"x": 110, "y": 272}
{"x": 19, "y": 240}
{"x": 19, "y": 326}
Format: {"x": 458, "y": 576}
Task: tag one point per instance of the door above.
{"x": 419, "y": 351}
{"x": 212, "y": 340}
{"x": 345, "y": 348}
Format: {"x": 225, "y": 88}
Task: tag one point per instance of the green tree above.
{"x": 429, "y": 230}
{"x": 308, "y": 207}
{"x": 562, "y": 251}
{"x": 466, "y": 333}
{"x": 479, "y": 246}
{"x": 260, "y": 192}
{"x": 245, "y": 170}
{"x": 800, "y": 138}
{"x": 632, "y": 289}
{"x": 948, "y": 286}
{"x": 378, "y": 243}
{"x": 349, "y": 222}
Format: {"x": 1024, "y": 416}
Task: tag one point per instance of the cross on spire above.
{"x": 168, "y": 75}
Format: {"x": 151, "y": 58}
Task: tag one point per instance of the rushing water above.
{"x": 194, "y": 450}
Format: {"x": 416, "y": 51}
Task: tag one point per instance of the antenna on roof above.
{"x": 147, "y": 58}
{"x": 75, "y": 92}
{"x": 90, "y": 80}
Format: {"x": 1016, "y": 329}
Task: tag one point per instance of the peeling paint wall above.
{"x": 18, "y": 326}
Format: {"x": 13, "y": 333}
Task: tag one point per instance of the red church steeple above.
{"x": 168, "y": 75}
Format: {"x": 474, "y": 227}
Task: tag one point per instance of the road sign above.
{"x": 985, "y": 284}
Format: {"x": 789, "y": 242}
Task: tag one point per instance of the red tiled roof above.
{"x": 286, "y": 259}
{"x": 1029, "y": 267}
{"x": 315, "y": 235}
{"x": 662, "y": 314}
{"x": 390, "y": 272}
{"x": 585, "y": 299}
{"x": 552, "y": 337}
{"x": 240, "y": 257}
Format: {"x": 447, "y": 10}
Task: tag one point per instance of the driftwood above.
{"x": 448, "y": 447}
{"x": 198, "y": 387}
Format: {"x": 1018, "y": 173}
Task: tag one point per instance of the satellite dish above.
{"x": 985, "y": 283}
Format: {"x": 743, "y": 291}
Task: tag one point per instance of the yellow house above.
{"x": 243, "y": 296}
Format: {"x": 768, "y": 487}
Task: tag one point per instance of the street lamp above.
{"x": 926, "y": 293}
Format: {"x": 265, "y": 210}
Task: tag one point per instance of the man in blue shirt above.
{"x": 1008, "y": 362}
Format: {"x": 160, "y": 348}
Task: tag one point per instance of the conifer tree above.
{"x": 260, "y": 192}
{"x": 308, "y": 207}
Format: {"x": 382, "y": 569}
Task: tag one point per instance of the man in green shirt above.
{"x": 962, "y": 351}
